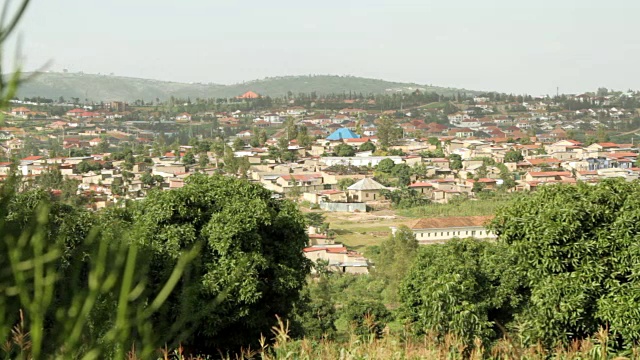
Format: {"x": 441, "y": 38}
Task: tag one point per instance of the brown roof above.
{"x": 450, "y": 222}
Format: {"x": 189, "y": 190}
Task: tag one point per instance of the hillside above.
{"x": 106, "y": 87}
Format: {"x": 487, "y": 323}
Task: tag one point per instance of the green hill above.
{"x": 105, "y": 87}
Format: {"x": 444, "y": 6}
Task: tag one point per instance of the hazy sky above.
{"x": 511, "y": 45}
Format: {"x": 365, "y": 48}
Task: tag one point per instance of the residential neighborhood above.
{"x": 337, "y": 159}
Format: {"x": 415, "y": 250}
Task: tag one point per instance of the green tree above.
{"x": 368, "y": 146}
{"x": 203, "y": 160}
{"x": 387, "y": 132}
{"x": 189, "y": 158}
{"x": 369, "y": 317}
{"x": 396, "y": 256}
{"x": 462, "y": 287}
{"x": 248, "y": 269}
{"x": 238, "y": 144}
{"x": 344, "y": 150}
{"x": 575, "y": 248}
{"x": 513, "y": 156}
{"x": 386, "y": 166}
{"x": 318, "y": 314}
{"x": 455, "y": 162}
{"x": 344, "y": 183}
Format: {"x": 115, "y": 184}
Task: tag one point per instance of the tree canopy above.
{"x": 250, "y": 266}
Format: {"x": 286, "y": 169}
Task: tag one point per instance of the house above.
{"x": 365, "y": 190}
{"x": 338, "y": 257}
{"x": 248, "y": 95}
{"x": 296, "y": 110}
{"x": 341, "y": 134}
{"x": 244, "y": 134}
{"x": 438, "y": 230}
{"x": 271, "y": 118}
{"x": 75, "y": 112}
{"x": 185, "y": 116}
{"x": 22, "y": 112}
{"x": 547, "y": 176}
{"x": 423, "y": 188}
{"x": 461, "y": 132}
{"x": 457, "y": 118}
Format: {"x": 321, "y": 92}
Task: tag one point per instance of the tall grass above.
{"x": 457, "y": 208}
{"x": 407, "y": 347}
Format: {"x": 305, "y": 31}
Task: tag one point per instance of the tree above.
{"x": 344, "y": 150}
{"x": 513, "y": 156}
{"x": 575, "y": 249}
{"x": 189, "y": 158}
{"x": 455, "y": 162}
{"x": 402, "y": 172}
{"x": 387, "y": 132}
{"x": 368, "y": 146}
{"x": 231, "y": 163}
{"x": 386, "y": 166}
{"x": 303, "y": 138}
{"x": 369, "y": 317}
{"x": 249, "y": 266}
{"x": 238, "y": 144}
{"x": 462, "y": 287}
{"x": 396, "y": 256}
{"x": 344, "y": 183}
{"x": 203, "y": 160}
{"x": 318, "y": 314}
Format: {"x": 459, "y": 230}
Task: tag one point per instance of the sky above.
{"x": 511, "y": 46}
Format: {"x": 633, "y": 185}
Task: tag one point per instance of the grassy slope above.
{"x": 104, "y": 87}
{"x": 359, "y": 231}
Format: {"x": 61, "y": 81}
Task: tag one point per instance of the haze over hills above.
{"x": 107, "y": 87}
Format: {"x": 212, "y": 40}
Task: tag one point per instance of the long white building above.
{"x": 438, "y": 230}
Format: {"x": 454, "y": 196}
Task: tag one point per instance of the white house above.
{"x": 438, "y": 230}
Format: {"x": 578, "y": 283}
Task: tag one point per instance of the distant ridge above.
{"x": 108, "y": 87}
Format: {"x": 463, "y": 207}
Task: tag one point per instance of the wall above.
{"x": 426, "y": 236}
{"x": 343, "y": 207}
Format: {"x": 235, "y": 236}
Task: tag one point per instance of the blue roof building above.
{"x": 343, "y": 133}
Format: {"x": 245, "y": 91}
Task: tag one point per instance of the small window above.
{"x": 447, "y": 233}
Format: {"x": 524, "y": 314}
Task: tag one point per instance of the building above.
{"x": 248, "y": 95}
{"x": 438, "y": 230}
{"x": 365, "y": 190}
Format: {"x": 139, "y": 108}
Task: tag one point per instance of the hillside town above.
{"x": 349, "y": 159}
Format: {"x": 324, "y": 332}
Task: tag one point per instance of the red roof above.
{"x": 549, "y": 173}
{"x": 421, "y": 184}
{"x": 76, "y": 111}
{"x": 32, "y": 158}
{"x": 249, "y": 95}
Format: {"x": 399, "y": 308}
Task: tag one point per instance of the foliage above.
{"x": 402, "y": 172}
{"x": 513, "y": 156}
{"x": 68, "y": 278}
{"x": 386, "y": 166}
{"x": 367, "y": 146}
{"x": 463, "y": 207}
{"x": 396, "y": 256}
{"x": 250, "y": 266}
{"x": 404, "y": 198}
{"x": 344, "y": 183}
{"x": 463, "y": 287}
{"x": 85, "y": 166}
{"x": 189, "y": 158}
{"x": 317, "y": 313}
{"x": 238, "y": 144}
{"x": 576, "y": 250}
{"x": 455, "y": 162}
{"x": 344, "y": 150}
{"x": 368, "y": 317}
{"x": 387, "y": 132}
